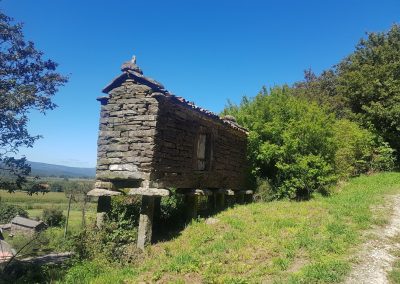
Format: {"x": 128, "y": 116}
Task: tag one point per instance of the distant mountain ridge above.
{"x": 50, "y": 170}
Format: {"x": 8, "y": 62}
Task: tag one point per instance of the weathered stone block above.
{"x": 123, "y": 167}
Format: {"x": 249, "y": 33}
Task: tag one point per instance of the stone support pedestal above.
{"x": 212, "y": 203}
{"x": 145, "y": 221}
{"x": 239, "y": 196}
{"x": 220, "y": 196}
{"x": 191, "y": 207}
{"x": 103, "y": 206}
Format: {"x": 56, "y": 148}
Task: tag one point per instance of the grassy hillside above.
{"x": 277, "y": 242}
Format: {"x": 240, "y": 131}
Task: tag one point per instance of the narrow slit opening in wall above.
{"x": 203, "y": 152}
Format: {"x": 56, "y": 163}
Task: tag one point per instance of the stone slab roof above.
{"x": 26, "y": 222}
{"x": 131, "y": 71}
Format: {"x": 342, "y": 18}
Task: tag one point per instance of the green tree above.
{"x": 27, "y": 82}
{"x": 322, "y": 90}
{"x": 369, "y": 80}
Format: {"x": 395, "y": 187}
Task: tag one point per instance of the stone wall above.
{"x": 176, "y": 142}
{"x": 126, "y": 137}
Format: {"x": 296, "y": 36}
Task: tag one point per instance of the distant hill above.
{"x": 50, "y": 170}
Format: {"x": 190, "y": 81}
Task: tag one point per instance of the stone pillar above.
{"x": 239, "y": 197}
{"x": 248, "y": 197}
{"x": 212, "y": 203}
{"x": 156, "y": 217}
{"x": 191, "y": 207}
{"x": 103, "y": 206}
{"x": 220, "y": 196}
{"x": 145, "y": 221}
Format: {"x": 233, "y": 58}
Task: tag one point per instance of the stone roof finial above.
{"x": 130, "y": 66}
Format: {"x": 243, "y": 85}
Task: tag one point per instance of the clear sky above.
{"x": 206, "y": 51}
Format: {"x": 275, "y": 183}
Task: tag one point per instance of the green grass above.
{"x": 23, "y": 197}
{"x": 281, "y": 242}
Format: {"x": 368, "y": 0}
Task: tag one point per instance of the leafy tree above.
{"x": 322, "y": 90}
{"x": 27, "y": 82}
{"x": 369, "y": 80}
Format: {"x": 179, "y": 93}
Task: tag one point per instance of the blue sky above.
{"x": 206, "y": 51}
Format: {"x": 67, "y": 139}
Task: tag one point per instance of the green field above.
{"x": 34, "y": 205}
{"x": 277, "y": 242}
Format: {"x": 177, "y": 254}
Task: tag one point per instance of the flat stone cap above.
{"x": 102, "y": 192}
{"x": 149, "y": 191}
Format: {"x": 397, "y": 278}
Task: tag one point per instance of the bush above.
{"x": 290, "y": 142}
{"x": 298, "y": 148}
{"x": 383, "y": 158}
{"x": 172, "y": 210}
{"x": 9, "y": 211}
{"x": 360, "y": 150}
{"x": 53, "y": 217}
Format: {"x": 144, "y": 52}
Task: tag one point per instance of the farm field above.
{"x": 34, "y": 205}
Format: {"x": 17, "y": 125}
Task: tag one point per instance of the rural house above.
{"x": 151, "y": 140}
{"x": 22, "y": 225}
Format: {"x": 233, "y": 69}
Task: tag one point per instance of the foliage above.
{"x": 383, "y": 158}
{"x": 26, "y": 272}
{"x": 364, "y": 87}
{"x": 9, "y": 211}
{"x": 290, "y": 142}
{"x": 53, "y": 217}
{"x": 264, "y": 191}
{"x": 322, "y": 90}
{"x": 80, "y": 273}
{"x": 281, "y": 241}
{"x": 172, "y": 211}
{"x": 111, "y": 243}
{"x": 116, "y": 240}
{"x": 297, "y": 148}
{"x": 359, "y": 150}
{"x": 27, "y": 82}
{"x": 369, "y": 80}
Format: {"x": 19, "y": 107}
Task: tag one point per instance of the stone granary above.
{"x": 151, "y": 140}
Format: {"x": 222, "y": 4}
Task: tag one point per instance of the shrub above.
{"x": 354, "y": 148}
{"x": 172, "y": 209}
{"x": 360, "y": 150}
{"x": 383, "y": 158}
{"x": 290, "y": 142}
{"x": 53, "y": 217}
{"x": 9, "y": 211}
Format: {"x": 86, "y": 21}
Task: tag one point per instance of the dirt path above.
{"x": 376, "y": 256}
